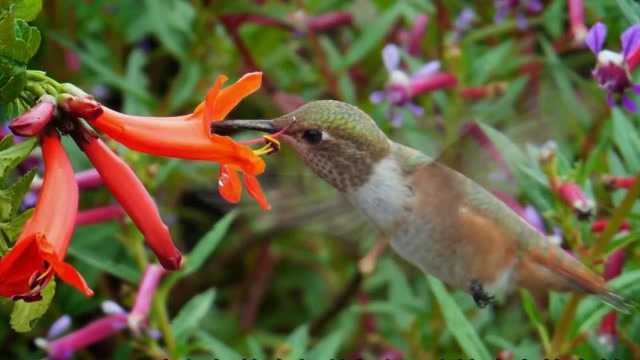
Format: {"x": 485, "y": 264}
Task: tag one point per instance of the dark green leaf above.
{"x": 13, "y": 78}
{"x": 26, "y": 314}
{"x": 10, "y": 230}
{"x": 12, "y": 156}
{"x": 24, "y": 9}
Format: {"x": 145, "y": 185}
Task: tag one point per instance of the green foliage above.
{"x": 11, "y": 195}
{"x": 191, "y": 314}
{"x": 458, "y": 324}
{"x": 19, "y": 42}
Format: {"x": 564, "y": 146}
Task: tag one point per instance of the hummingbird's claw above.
{"x": 481, "y": 297}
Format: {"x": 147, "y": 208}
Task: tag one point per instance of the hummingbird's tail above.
{"x": 619, "y": 302}
{"x": 577, "y": 276}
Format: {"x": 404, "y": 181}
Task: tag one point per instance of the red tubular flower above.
{"x": 619, "y": 182}
{"x": 190, "y": 137}
{"x": 99, "y": 215}
{"x": 35, "y": 119}
{"x": 328, "y": 21}
{"x": 125, "y": 186}
{"x": 416, "y": 34}
{"x": 41, "y": 247}
{"x": 576, "y": 20}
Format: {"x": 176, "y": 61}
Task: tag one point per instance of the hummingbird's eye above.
{"x": 312, "y": 136}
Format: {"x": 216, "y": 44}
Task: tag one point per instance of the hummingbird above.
{"x": 435, "y": 217}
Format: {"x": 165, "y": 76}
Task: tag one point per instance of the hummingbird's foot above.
{"x": 481, "y": 297}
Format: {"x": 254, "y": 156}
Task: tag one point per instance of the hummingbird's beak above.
{"x": 266, "y": 126}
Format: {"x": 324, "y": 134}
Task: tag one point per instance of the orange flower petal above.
{"x": 210, "y": 103}
{"x": 229, "y": 185}
{"x": 230, "y": 96}
{"x": 255, "y": 190}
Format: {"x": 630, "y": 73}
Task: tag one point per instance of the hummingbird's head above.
{"x": 337, "y": 140}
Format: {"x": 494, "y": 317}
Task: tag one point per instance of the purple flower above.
{"x": 612, "y": 71}
{"x": 402, "y": 87}
{"x": 116, "y": 320}
{"x": 520, "y": 8}
{"x": 463, "y": 23}
{"x": 142, "y": 305}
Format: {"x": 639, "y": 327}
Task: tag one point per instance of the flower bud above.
{"x": 35, "y": 119}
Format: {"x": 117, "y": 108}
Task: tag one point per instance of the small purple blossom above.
{"x": 612, "y": 71}
{"x": 520, "y": 9}
{"x": 402, "y": 87}
{"x": 463, "y": 23}
{"x": 59, "y": 327}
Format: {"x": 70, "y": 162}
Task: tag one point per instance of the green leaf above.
{"x": 12, "y": 156}
{"x": 529, "y": 305}
{"x": 625, "y": 136}
{"x": 13, "y": 78}
{"x": 297, "y": 342}
{"x": 630, "y": 9}
{"x": 135, "y": 76}
{"x": 24, "y": 9}
{"x": 457, "y": 323}
{"x": 192, "y": 313}
{"x": 26, "y": 314}
{"x": 553, "y": 19}
{"x": 120, "y": 270}
{"x": 18, "y": 40}
{"x": 328, "y": 347}
{"x": 13, "y": 196}
{"x": 184, "y": 85}
{"x": 372, "y": 35}
{"x": 207, "y": 244}
{"x": 9, "y": 230}
{"x": 217, "y": 347}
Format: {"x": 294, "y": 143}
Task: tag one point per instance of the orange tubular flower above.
{"x": 41, "y": 247}
{"x": 190, "y": 137}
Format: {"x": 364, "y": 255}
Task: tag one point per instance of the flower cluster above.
{"x": 40, "y": 249}
{"x": 613, "y": 70}
{"x": 402, "y": 87}
{"x": 116, "y": 319}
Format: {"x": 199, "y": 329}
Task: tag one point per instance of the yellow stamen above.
{"x": 272, "y": 145}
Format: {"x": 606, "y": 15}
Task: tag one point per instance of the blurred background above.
{"x": 285, "y": 283}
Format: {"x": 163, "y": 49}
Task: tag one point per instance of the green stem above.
{"x": 162, "y": 316}
{"x": 563, "y": 326}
